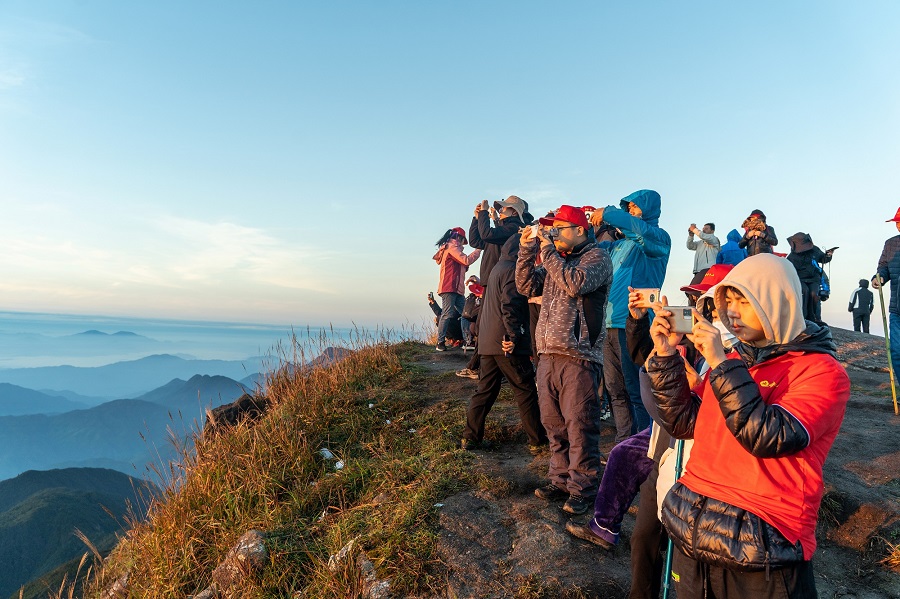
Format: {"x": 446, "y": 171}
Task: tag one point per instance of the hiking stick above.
{"x": 887, "y": 342}
{"x": 679, "y": 454}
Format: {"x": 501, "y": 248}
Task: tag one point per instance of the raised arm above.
{"x": 591, "y": 272}
{"x": 529, "y": 277}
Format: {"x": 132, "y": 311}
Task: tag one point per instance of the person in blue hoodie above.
{"x": 639, "y": 260}
{"x": 731, "y": 252}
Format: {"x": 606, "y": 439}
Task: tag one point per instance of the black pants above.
{"x": 520, "y": 374}
{"x": 620, "y": 376}
{"x": 648, "y": 544}
{"x": 861, "y": 319}
{"x": 534, "y": 313}
{"x": 697, "y": 580}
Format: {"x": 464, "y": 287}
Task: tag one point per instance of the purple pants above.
{"x": 626, "y": 469}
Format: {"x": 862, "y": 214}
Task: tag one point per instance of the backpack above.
{"x": 472, "y": 308}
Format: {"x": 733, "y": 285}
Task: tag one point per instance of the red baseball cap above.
{"x": 569, "y": 214}
{"x": 713, "y": 277}
{"x": 476, "y": 289}
{"x": 587, "y": 208}
{"x": 461, "y": 232}
{"x": 896, "y": 218}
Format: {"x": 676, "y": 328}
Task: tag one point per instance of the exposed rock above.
{"x": 245, "y": 407}
{"x": 372, "y": 587}
{"x": 245, "y": 560}
{"x": 118, "y": 589}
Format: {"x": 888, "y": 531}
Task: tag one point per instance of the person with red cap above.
{"x": 573, "y": 279}
{"x": 889, "y": 270}
{"x": 758, "y": 237}
{"x": 453, "y": 262}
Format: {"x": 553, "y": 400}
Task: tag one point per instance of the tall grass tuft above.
{"x": 377, "y": 415}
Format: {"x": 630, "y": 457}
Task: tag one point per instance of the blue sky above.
{"x": 292, "y": 162}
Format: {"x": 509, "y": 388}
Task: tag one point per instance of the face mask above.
{"x": 728, "y": 338}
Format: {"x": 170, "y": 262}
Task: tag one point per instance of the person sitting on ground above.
{"x": 862, "y": 302}
{"x": 574, "y": 279}
{"x": 706, "y": 248}
{"x": 731, "y": 252}
{"x": 505, "y": 349}
{"x": 453, "y": 262}
{"x": 762, "y": 425}
{"x": 758, "y": 237}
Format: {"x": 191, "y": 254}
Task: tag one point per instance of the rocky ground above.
{"x": 502, "y": 541}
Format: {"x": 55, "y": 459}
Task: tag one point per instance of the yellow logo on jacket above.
{"x": 767, "y": 384}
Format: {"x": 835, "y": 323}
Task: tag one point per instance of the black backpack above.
{"x": 472, "y": 308}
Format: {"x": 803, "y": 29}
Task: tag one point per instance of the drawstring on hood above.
{"x": 771, "y": 285}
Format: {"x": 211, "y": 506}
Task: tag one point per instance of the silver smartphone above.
{"x": 682, "y": 319}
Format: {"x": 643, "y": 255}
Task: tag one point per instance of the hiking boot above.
{"x": 584, "y": 532}
{"x": 441, "y": 347}
{"x": 550, "y": 492}
{"x": 577, "y": 505}
{"x": 467, "y": 373}
{"x": 537, "y": 449}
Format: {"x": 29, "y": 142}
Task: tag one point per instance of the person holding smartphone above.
{"x": 744, "y": 515}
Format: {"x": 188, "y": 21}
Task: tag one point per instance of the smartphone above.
{"x": 682, "y": 319}
{"x": 648, "y": 296}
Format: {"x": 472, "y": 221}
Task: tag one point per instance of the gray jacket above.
{"x": 574, "y": 289}
{"x": 706, "y": 249}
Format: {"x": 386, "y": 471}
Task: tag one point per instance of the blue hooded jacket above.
{"x": 731, "y": 252}
{"x": 640, "y": 259}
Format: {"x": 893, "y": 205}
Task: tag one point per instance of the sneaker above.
{"x": 584, "y": 532}
{"x": 468, "y": 347}
{"x": 577, "y": 505}
{"x": 440, "y": 347}
{"x": 550, "y": 492}
{"x": 467, "y": 373}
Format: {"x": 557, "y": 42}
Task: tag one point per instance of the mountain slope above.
{"x": 39, "y": 512}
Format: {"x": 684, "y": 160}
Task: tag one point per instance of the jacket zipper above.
{"x": 765, "y": 540}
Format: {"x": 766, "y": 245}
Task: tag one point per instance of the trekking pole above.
{"x": 887, "y": 342}
{"x": 679, "y": 454}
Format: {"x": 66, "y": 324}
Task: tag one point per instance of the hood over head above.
{"x": 648, "y": 201}
{"x": 771, "y": 285}
{"x": 734, "y": 235}
{"x": 800, "y": 242}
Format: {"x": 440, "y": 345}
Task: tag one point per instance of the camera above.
{"x": 682, "y": 319}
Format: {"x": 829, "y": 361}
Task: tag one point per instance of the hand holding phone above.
{"x": 646, "y": 296}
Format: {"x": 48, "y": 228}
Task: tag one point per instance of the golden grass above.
{"x": 399, "y": 460}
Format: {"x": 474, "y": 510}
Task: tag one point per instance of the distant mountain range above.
{"x": 18, "y": 401}
{"x": 39, "y": 512}
{"x": 124, "y": 434}
{"x": 126, "y": 379}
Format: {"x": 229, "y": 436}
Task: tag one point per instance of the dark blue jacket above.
{"x": 889, "y": 269}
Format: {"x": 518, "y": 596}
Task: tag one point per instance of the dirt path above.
{"x": 502, "y": 541}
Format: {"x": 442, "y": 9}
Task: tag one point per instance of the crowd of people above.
{"x": 740, "y": 387}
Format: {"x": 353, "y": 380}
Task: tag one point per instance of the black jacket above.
{"x": 490, "y": 239}
{"x": 759, "y": 245}
{"x": 504, "y": 310}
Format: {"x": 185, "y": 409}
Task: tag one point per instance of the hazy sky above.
{"x": 295, "y": 162}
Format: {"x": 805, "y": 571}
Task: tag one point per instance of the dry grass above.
{"x": 368, "y": 410}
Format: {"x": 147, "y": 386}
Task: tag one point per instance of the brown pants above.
{"x": 570, "y": 412}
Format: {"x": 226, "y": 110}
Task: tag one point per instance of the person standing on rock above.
{"x": 706, "y": 249}
{"x": 862, "y": 302}
{"x": 504, "y": 344}
{"x": 889, "y": 270}
{"x": 573, "y": 280}
{"x": 758, "y": 237}
{"x": 743, "y": 517}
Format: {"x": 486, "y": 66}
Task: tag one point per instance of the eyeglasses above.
{"x": 554, "y": 231}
